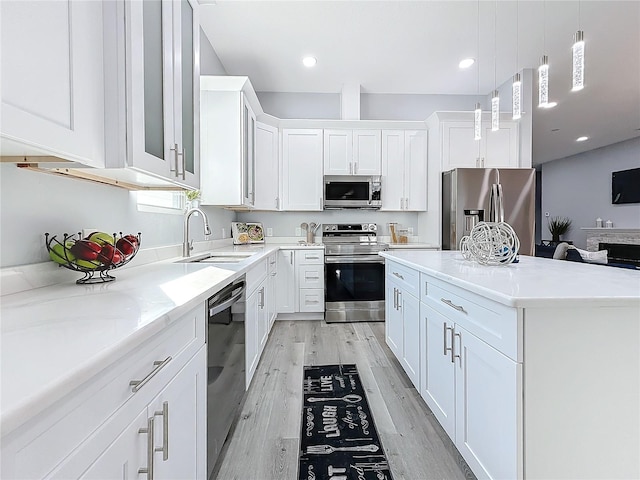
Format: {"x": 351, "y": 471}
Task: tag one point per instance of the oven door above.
{"x": 354, "y": 288}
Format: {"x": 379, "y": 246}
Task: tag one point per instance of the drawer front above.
{"x": 492, "y": 322}
{"x": 256, "y": 275}
{"x": 311, "y": 276}
{"x": 405, "y": 277}
{"x": 310, "y": 257}
{"x": 312, "y": 300}
{"x": 53, "y": 435}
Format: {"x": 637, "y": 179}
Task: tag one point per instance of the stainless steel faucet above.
{"x": 187, "y": 245}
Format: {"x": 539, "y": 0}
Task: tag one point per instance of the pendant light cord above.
{"x": 495, "y": 45}
{"x": 478, "y": 44}
{"x": 517, "y": 33}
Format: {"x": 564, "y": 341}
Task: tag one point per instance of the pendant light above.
{"x": 578, "y": 58}
{"x": 477, "y": 113}
{"x": 543, "y": 69}
{"x": 516, "y": 87}
{"x": 495, "y": 96}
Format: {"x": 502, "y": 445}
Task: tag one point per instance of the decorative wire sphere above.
{"x": 491, "y": 243}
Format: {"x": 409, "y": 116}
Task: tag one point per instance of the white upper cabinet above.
{"x": 228, "y": 141}
{"x": 267, "y": 191}
{"x": 499, "y": 149}
{"x": 162, "y": 68}
{"x": 352, "y": 152}
{"x": 52, "y": 83}
{"x": 302, "y": 169}
{"x": 404, "y": 170}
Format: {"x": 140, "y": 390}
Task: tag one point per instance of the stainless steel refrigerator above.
{"x": 467, "y": 200}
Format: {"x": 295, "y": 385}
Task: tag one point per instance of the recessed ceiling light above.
{"x": 581, "y": 139}
{"x": 309, "y": 61}
{"x": 466, "y": 63}
{"x": 550, "y": 104}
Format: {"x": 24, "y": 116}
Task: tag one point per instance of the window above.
{"x": 158, "y": 201}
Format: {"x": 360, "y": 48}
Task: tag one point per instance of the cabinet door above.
{"x": 410, "y": 307}
{"x": 122, "y": 459}
{"x": 302, "y": 169}
{"x": 338, "y": 152}
{"x": 488, "y": 407}
{"x": 180, "y": 435}
{"x": 459, "y": 149}
{"x": 415, "y": 170}
{"x": 248, "y": 153}
{"x": 263, "y": 318}
{"x": 438, "y": 377}
{"x": 252, "y": 341}
{"x": 286, "y": 287}
{"x": 393, "y": 176}
{"x": 393, "y": 320}
{"x": 367, "y": 158}
{"x": 500, "y": 148}
{"x": 52, "y": 84}
{"x": 150, "y": 105}
{"x": 267, "y": 188}
{"x": 186, "y": 94}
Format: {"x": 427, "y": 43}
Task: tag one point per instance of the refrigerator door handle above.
{"x": 496, "y": 208}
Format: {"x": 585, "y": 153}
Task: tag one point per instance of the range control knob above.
{"x": 334, "y": 227}
{"x": 373, "y": 227}
{"x": 365, "y": 226}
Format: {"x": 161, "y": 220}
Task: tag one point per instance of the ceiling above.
{"x": 414, "y": 47}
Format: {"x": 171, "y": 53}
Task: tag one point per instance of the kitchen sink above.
{"x": 218, "y": 257}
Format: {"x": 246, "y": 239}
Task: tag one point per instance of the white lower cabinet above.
{"x": 146, "y": 411}
{"x": 403, "y": 326}
{"x": 286, "y": 282}
{"x": 272, "y": 291}
{"x": 300, "y": 285}
{"x": 472, "y": 388}
{"x": 254, "y": 326}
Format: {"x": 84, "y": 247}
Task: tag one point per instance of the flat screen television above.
{"x": 625, "y": 186}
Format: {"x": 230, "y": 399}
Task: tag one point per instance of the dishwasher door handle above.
{"x": 226, "y": 304}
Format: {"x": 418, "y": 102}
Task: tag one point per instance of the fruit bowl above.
{"x": 94, "y": 255}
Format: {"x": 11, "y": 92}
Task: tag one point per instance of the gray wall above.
{"x": 210, "y": 64}
{"x": 32, "y": 203}
{"x": 372, "y": 106}
{"x": 317, "y": 106}
{"x": 579, "y": 187}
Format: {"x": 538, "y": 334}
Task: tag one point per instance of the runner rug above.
{"x": 339, "y": 440}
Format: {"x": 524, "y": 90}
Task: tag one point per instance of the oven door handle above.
{"x": 354, "y": 259}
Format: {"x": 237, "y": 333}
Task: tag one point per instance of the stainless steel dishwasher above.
{"x": 226, "y": 365}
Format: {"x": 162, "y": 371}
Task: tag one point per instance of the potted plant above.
{"x": 193, "y": 198}
{"x": 558, "y": 226}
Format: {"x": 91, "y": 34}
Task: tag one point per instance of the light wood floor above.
{"x": 264, "y": 444}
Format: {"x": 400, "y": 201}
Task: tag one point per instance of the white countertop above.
{"x": 55, "y": 338}
{"x": 533, "y": 282}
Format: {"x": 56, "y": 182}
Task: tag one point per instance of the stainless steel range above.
{"x": 354, "y": 273}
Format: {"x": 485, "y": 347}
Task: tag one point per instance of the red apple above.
{"x": 110, "y": 255}
{"x": 126, "y": 246}
{"x": 132, "y": 238}
{"x": 86, "y": 249}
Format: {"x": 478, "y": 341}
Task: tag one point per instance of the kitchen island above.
{"x": 533, "y": 368}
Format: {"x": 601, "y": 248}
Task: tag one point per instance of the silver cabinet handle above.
{"x": 399, "y": 299}
{"x": 157, "y": 366}
{"x": 165, "y": 431}
{"x": 453, "y": 345}
{"x": 398, "y": 275}
{"x": 277, "y": 203}
{"x": 444, "y": 332}
{"x": 453, "y": 305}
{"x": 406, "y": 203}
{"x": 291, "y": 257}
{"x": 395, "y": 298}
{"x": 426, "y": 288}
{"x": 261, "y": 298}
{"x": 184, "y": 165}
{"x": 311, "y": 258}
{"x": 149, "y": 431}
{"x": 174, "y": 149}
{"x": 355, "y": 168}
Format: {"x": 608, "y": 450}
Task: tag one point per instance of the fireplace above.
{"x": 622, "y": 253}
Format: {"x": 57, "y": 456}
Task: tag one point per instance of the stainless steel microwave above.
{"x": 348, "y": 191}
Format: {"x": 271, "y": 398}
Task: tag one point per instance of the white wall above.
{"x": 32, "y": 203}
{"x": 579, "y": 187}
{"x": 317, "y": 106}
{"x": 210, "y": 64}
{"x": 412, "y": 107}
{"x": 284, "y": 223}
